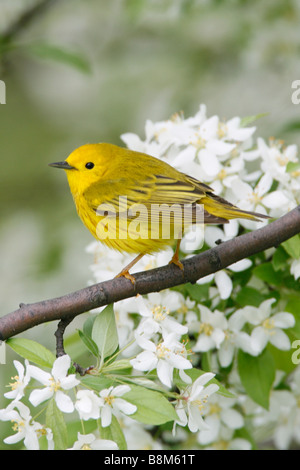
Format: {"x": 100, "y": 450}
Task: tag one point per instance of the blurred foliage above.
{"x": 91, "y": 70}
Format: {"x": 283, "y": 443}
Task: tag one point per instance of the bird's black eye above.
{"x": 89, "y": 165}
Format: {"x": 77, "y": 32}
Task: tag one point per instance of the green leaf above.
{"x": 33, "y": 351}
{"x": 292, "y": 246}
{"x": 55, "y": 421}
{"x": 88, "y": 325}
{"x": 279, "y": 260}
{"x": 75, "y": 426}
{"x": 206, "y": 358}
{"x": 104, "y": 332}
{"x": 58, "y": 54}
{"x": 293, "y": 307}
{"x": 249, "y": 296}
{"x": 283, "y": 359}
{"x": 249, "y": 119}
{"x": 244, "y": 433}
{"x": 293, "y": 304}
{"x": 90, "y": 344}
{"x": 144, "y": 382}
{"x": 74, "y": 347}
{"x": 118, "y": 365}
{"x": 114, "y": 433}
{"x": 291, "y": 126}
{"x": 292, "y": 166}
{"x": 152, "y": 407}
{"x": 266, "y": 273}
{"x": 197, "y": 292}
{"x": 257, "y": 375}
{"x": 97, "y": 383}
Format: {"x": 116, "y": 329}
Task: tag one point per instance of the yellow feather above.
{"x": 123, "y": 192}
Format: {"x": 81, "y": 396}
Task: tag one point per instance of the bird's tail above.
{"x": 219, "y": 207}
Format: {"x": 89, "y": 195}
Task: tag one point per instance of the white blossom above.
{"x": 90, "y": 442}
{"x": 267, "y": 326}
{"x": 210, "y": 328}
{"x": 155, "y": 310}
{"x": 227, "y": 441}
{"x": 219, "y": 412}
{"x": 295, "y": 268}
{"x": 26, "y": 428}
{"x": 54, "y": 383}
{"x": 138, "y": 437}
{"x": 19, "y": 383}
{"x": 193, "y": 401}
{"x": 165, "y": 356}
{"x": 88, "y": 404}
{"x": 275, "y": 159}
{"x": 111, "y": 402}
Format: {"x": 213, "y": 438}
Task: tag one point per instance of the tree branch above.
{"x": 196, "y": 267}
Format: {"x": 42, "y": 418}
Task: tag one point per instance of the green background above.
{"x": 89, "y": 70}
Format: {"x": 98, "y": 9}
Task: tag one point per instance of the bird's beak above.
{"x": 64, "y": 165}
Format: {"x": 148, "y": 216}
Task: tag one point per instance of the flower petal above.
{"x": 224, "y": 284}
{"x": 124, "y": 406}
{"x": 64, "y": 402}
{"x": 120, "y": 390}
{"x": 280, "y": 340}
{"x": 39, "y": 374}
{"x": 61, "y": 366}
{"x": 40, "y": 395}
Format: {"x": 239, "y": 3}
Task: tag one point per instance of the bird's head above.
{"x": 86, "y": 165}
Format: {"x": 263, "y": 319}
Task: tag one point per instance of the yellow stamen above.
{"x": 18, "y": 425}
{"x": 109, "y": 400}
{"x": 183, "y": 309}
{"x": 222, "y": 174}
{"x": 200, "y": 143}
{"x": 201, "y": 403}
{"x": 206, "y": 328}
{"x": 214, "y": 408}
{"x": 14, "y": 385}
{"x": 41, "y": 432}
{"x": 255, "y": 198}
{"x": 159, "y": 312}
{"x": 269, "y": 325}
{"x": 282, "y": 160}
{"x": 54, "y": 385}
{"x": 162, "y": 351}
{"x": 220, "y": 445}
{"x": 222, "y": 130}
{"x": 295, "y": 173}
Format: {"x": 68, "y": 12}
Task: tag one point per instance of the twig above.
{"x": 59, "y": 334}
{"x": 210, "y": 261}
{"x": 60, "y": 350}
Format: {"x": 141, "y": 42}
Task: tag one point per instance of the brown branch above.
{"x": 60, "y": 351}
{"x": 210, "y": 261}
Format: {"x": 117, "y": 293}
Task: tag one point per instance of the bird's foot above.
{"x": 125, "y": 273}
{"x": 176, "y": 260}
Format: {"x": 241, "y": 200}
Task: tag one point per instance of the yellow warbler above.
{"x": 122, "y": 196}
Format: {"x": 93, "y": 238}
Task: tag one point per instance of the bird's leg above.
{"x": 175, "y": 259}
{"x": 125, "y": 271}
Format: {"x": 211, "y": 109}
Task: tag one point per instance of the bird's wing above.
{"x": 150, "y": 196}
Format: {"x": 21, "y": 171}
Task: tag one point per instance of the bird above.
{"x": 122, "y": 195}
